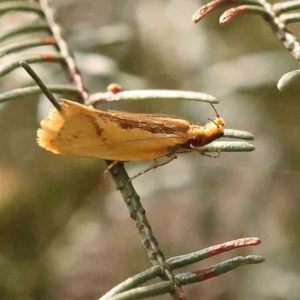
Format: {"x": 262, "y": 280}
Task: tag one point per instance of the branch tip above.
{"x": 209, "y": 7}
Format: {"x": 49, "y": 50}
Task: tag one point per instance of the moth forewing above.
{"x": 78, "y": 130}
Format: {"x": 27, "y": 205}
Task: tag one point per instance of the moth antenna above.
{"x": 213, "y": 122}
{"x": 41, "y": 85}
{"x": 217, "y": 114}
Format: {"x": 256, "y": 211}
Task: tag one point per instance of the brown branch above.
{"x": 138, "y": 214}
{"x": 63, "y": 49}
{"x": 288, "y": 39}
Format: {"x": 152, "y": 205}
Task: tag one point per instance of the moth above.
{"x": 79, "y": 130}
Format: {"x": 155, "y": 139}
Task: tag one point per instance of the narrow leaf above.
{"x": 30, "y": 58}
{"x": 134, "y": 281}
{"x": 238, "y": 134}
{"x": 188, "y": 259}
{"x": 12, "y": 32}
{"x": 35, "y": 90}
{"x": 144, "y": 292}
{"x": 19, "y": 46}
{"x": 213, "y": 5}
{"x": 229, "y": 14}
{"x": 20, "y": 6}
{"x": 151, "y": 95}
{"x": 227, "y": 147}
{"x": 281, "y": 7}
{"x": 218, "y": 269}
{"x": 288, "y": 79}
{"x": 290, "y": 18}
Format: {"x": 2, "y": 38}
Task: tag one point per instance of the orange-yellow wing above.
{"x": 78, "y": 130}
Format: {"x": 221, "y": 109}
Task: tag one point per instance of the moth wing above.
{"x": 161, "y": 117}
{"x": 78, "y": 130}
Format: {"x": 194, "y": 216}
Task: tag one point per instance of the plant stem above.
{"x": 63, "y": 49}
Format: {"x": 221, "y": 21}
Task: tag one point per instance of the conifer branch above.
{"x": 63, "y": 55}
{"x": 274, "y": 14}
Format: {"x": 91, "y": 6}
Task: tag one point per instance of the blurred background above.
{"x": 65, "y": 232}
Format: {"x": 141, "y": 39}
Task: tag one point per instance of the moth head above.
{"x": 219, "y": 122}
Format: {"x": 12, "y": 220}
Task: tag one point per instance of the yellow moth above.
{"x": 79, "y": 130}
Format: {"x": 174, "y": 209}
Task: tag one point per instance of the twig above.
{"x": 138, "y": 214}
{"x": 270, "y": 12}
{"x": 63, "y": 49}
{"x": 288, "y": 39}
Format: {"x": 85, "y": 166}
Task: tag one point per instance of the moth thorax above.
{"x": 211, "y": 131}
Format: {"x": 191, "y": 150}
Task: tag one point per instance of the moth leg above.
{"x": 110, "y": 166}
{"x": 205, "y": 154}
{"x": 212, "y": 156}
{"x": 155, "y": 165}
